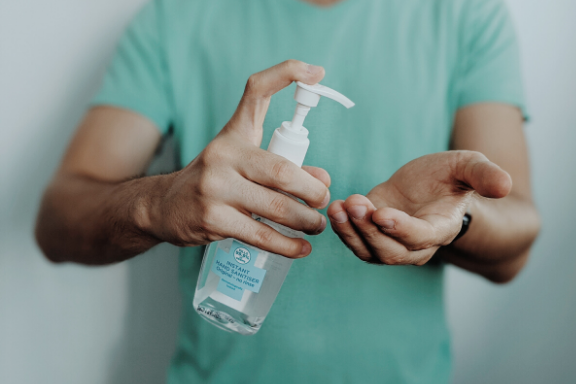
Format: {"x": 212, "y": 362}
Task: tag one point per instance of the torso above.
{"x": 336, "y": 319}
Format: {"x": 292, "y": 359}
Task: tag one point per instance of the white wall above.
{"x": 67, "y": 324}
{"x": 71, "y": 324}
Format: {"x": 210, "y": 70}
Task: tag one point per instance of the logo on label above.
{"x": 237, "y": 273}
{"x": 242, "y": 255}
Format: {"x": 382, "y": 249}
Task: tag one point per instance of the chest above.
{"x": 394, "y": 61}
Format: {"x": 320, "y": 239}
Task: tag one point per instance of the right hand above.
{"x": 213, "y": 197}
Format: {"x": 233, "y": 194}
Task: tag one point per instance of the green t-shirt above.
{"x": 408, "y": 65}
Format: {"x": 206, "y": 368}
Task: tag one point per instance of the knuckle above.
{"x": 316, "y": 195}
{"x": 460, "y": 156}
{"x": 458, "y": 161}
{"x": 214, "y": 152}
{"x": 208, "y": 185}
{"x": 244, "y": 230}
{"x": 312, "y": 221}
{"x": 278, "y": 207}
{"x": 209, "y": 219}
{"x": 282, "y": 173}
{"x": 478, "y": 156}
{"x": 264, "y": 236}
{"x": 292, "y": 64}
{"x": 252, "y": 83}
{"x": 468, "y": 159}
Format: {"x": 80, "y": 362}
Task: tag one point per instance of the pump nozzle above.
{"x": 291, "y": 139}
{"x": 308, "y": 96}
{"x": 321, "y": 90}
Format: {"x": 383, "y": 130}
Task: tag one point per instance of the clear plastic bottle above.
{"x": 256, "y": 290}
{"x": 238, "y": 283}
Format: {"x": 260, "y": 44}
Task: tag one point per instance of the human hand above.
{"x": 213, "y": 197}
{"x": 406, "y": 219}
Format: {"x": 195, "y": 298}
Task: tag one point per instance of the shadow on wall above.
{"x": 150, "y": 329}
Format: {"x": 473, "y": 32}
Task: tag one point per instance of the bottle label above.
{"x": 235, "y": 267}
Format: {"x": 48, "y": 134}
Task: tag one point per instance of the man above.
{"x": 426, "y": 76}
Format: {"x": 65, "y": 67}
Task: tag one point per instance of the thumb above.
{"x": 482, "y": 175}
{"x": 251, "y": 111}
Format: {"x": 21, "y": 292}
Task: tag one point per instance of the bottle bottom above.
{"x": 227, "y": 318}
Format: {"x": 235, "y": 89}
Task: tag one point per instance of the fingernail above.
{"x": 357, "y": 211}
{"x": 387, "y": 224}
{"x": 322, "y": 225}
{"x": 314, "y": 69}
{"x": 306, "y": 249}
{"x": 340, "y": 217}
{"x": 325, "y": 201}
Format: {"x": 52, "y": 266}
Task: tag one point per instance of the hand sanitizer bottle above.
{"x": 238, "y": 282}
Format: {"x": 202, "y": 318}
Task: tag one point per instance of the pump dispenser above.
{"x": 291, "y": 139}
{"x": 238, "y": 283}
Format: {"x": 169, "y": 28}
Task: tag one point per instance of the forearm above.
{"x": 93, "y": 222}
{"x": 498, "y": 241}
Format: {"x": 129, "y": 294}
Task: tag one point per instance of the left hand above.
{"x": 406, "y": 219}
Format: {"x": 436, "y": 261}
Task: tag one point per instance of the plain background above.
{"x": 70, "y": 324}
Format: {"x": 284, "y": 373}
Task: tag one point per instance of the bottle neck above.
{"x": 295, "y": 133}
{"x": 289, "y": 143}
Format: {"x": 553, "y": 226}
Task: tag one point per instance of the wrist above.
{"x": 147, "y": 207}
{"x": 466, "y": 220}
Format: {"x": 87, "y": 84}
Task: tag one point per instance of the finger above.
{"x": 250, "y": 231}
{"x": 386, "y": 249}
{"x": 415, "y": 233}
{"x": 249, "y": 116}
{"x": 274, "y": 171}
{"x": 486, "y": 178}
{"x": 360, "y": 209}
{"x": 319, "y": 174}
{"x": 279, "y": 208}
{"x": 271, "y": 80}
{"x": 346, "y": 232}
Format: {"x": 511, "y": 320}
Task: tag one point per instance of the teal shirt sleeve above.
{"x": 137, "y": 78}
{"x": 489, "y": 60}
